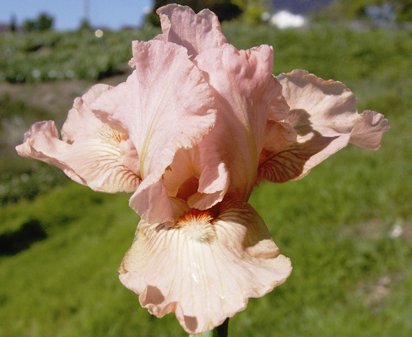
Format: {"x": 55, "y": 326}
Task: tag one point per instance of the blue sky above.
{"x": 69, "y": 13}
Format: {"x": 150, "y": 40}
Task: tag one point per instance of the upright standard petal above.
{"x": 196, "y": 32}
{"x": 325, "y": 118}
{"x": 248, "y": 97}
{"x": 205, "y": 267}
{"x": 92, "y": 153}
{"x": 166, "y": 105}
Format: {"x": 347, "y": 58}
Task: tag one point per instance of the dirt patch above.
{"x": 375, "y": 293}
{"x": 378, "y": 229}
{"x": 56, "y": 97}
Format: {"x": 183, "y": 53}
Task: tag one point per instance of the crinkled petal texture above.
{"x": 248, "y": 98}
{"x": 205, "y": 267}
{"x": 196, "y": 32}
{"x": 325, "y": 119}
{"x": 91, "y": 152}
{"x": 165, "y": 105}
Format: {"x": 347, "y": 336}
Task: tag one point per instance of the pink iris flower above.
{"x": 193, "y": 129}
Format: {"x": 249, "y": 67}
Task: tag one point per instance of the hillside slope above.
{"x": 347, "y": 226}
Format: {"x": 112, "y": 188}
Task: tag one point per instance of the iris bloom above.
{"x": 194, "y": 128}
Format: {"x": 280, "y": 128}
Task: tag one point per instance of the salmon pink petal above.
{"x": 91, "y": 152}
{"x": 248, "y": 96}
{"x": 188, "y": 179}
{"x": 196, "y": 32}
{"x": 81, "y": 123}
{"x": 205, "y": 267}
{"x": 165, "y": 105}
{"x": 325, "y": 118}
{"x": 42, "y": 142}
{"x": 213, "y": 185}
{"x": 368, "y": 130}
{"x": 181, "y": 178}
{"x": 279, "y": 135}
{"x": 152, "y": 201}
{"x": 192, "y": 180}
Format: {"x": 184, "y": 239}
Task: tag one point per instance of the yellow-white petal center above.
{"x": 197, "y": 226}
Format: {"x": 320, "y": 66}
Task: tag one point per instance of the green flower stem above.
{"x": 220, "y": 331}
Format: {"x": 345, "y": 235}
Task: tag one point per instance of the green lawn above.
{"x": 347, "y": 226}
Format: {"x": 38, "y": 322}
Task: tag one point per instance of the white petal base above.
{"x": 203, "y": 268}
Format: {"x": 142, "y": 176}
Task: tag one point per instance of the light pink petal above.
{"x": 248, "y": 96}
{"x": 42, "y": 142}
{"x": 193, "y": 181}
{"x": 91, "y": 152}
{"x": 368, "y": 130}
{"x": 152, "y": 201}
{"x": 165, "y": 105}
{"x": 196, "y": 32}
{"x": 181, "y": 178}
{"x": 213, "y": 185}
{"x": 81, "y": 123}
{"x": 205, "y": 267}
{"x": 296, "y": 160}
{"x": 325, "y": 118}
{"x": 278, "y": 136}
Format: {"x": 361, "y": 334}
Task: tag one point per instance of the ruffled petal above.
{"x": 181, "y": 178}
{"x": 165, "y": 105}
{"x": 368, "y": 130}
{"x": 188, "y": 179}
{"x": 42, "y": 142}
{"x": 205, "y": 267}
{"x": 91, "y": 152}
{"x": 213, "y": 185}
{"x": 325, "y": 118}
{"x": 81, "y": 123}
{"x": 248, "y": 97}
{"x": 196, "y": 32}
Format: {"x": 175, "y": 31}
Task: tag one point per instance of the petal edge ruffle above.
{"x": 91, "y": 153}
{"x": 196, "y": 32}
{"x": 324, "y": 116}
{"x": 203, "y": 268}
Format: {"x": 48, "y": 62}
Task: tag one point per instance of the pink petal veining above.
{"x": 92, "y": 153}
{"x": 210, "y": 266}
{"x": 160, "y": 115}
{"x": 325, "y": 118}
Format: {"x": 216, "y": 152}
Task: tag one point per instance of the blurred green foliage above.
{"x": 252, "y": 10}
{"x": 355, "y": 9}
{"x": 347, "y": 226}
{"x": 21, "y": 179}
{"x": 11, "y": 108}
{"x": 50, "y": 56}
{"x": 42, "y": 23}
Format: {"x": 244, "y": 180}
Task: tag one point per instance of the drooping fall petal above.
{"x": 91, "y": 152}
{"x": 205, "y": 267}
{"x": 166, "y": 105}
{"x": 196, "y": 32}
{"x": 325, "y": 118}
